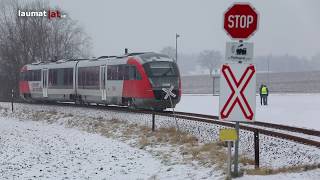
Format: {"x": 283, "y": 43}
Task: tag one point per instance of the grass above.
{"x": 246, "y": 161}
{"x": 213, "y": 153}
{"x": 171, "y": 135}
{"x": 143, "y": 142}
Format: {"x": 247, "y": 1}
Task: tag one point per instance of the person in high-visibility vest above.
{"x": 264, "y": 92}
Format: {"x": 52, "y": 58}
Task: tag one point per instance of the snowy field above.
{"x": 37, "y": 142}
{"x": 300, "y": 110}
{"x": 36, "y": 150}
{"x": 31, "y": 148}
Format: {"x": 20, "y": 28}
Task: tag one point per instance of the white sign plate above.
{"x": 236, "y": 52}
{"x": 237, "y": 101}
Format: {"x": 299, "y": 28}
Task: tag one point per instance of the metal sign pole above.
{"x": 174, "y": 116}
{"x": 228, "y": 135}
{"x": 236, "y": 150}
{"x": 229, "y": 161}
{"x": 169, "y": 94}
{"x": 12, "y": 100}
{"x": 153, "y": 121}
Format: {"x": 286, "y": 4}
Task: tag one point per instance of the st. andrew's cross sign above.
{"x": 237, "y": 94}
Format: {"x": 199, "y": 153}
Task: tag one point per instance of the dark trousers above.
{"x": 264, "y": 99}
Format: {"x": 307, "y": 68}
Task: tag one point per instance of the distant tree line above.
{"x": 28, "y": 39}
{"x": 210, "y": 60}
{"x": 287, "y": 63}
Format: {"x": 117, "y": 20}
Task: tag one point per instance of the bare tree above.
{"x": 210, "y": 59}
{"x": 27, "y": 39}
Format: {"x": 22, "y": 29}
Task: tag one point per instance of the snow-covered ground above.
{"x": 307, "y": 175}
{"x": 32, "y": 150}
{"x": 48, "y": 150}
{"x": 301, "y": 110}
{"x": 36, "y": 150}
{"x": 35, "y": 144}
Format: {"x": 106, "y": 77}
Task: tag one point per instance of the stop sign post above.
{"x": 240, "y": 21}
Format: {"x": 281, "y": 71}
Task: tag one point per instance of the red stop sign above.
{"x": 240, "y": 21}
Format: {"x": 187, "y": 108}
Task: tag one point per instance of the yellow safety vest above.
{"x": 264, "y": 90}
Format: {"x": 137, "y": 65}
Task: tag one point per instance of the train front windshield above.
{"x": 163, "y": 74}
{"x": 161, "y": 69}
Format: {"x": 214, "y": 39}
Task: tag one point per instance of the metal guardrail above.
{"x": 256, "y": 131}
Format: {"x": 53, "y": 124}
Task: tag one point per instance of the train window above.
{"x": 68, "y": 77}
{"x": 161, "y": 68}
{"x": 61, "y": 78}
{"x": 109, "y": 72}
{"x": 112, "y": 72}
{"x": 133, "y": 73}
{"x": 31, "y": 75}
{"x": 121, "y": 69}
{"x": 38, "y": 75}
{"x": 88, "y": 77}
{"x": 53, "y": 78}
{"x": 126, "y": 72}
{"x": 138, "y": 75}
{"x": 122, "y": 72}
{"x": 23, "y": 76}
{"x": 81, "y": 78}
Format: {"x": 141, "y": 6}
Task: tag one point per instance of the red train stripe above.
{"x": 24, "y": 85}
{"x": 137, "y": 88}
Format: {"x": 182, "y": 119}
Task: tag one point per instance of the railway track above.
{"x": 270, "y": 129}
{"x": 296, "y": 134}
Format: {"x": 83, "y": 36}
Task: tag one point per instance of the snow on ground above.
{"x": 307, "y": 175}
{"x": 300, "y": 110}
{"x": 35, "y": 150}
{"x": 274, "y": 151}
{"x": 29, "y": 147}
{"x": 45, "y": 149}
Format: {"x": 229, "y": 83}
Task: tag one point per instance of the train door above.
{"x": 115, "y": 83}
{"x": 45, "y": 82}
{"x": 103, "y": 83}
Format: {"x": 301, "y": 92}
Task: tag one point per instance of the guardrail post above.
{"x": 12, "y": 100}
{"x": 153, "y": 121}
{"x": 256, "y": 148}
{"x": 236, "y": 150}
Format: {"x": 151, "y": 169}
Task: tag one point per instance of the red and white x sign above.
{"x": 237, "y": 95}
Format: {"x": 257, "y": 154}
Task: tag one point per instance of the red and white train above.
{"x": 135, "y": 80}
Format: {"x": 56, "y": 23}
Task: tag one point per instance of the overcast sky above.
{"x": 286, "y": 26}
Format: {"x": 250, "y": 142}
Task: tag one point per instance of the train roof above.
{"x": 144, "y": 56}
